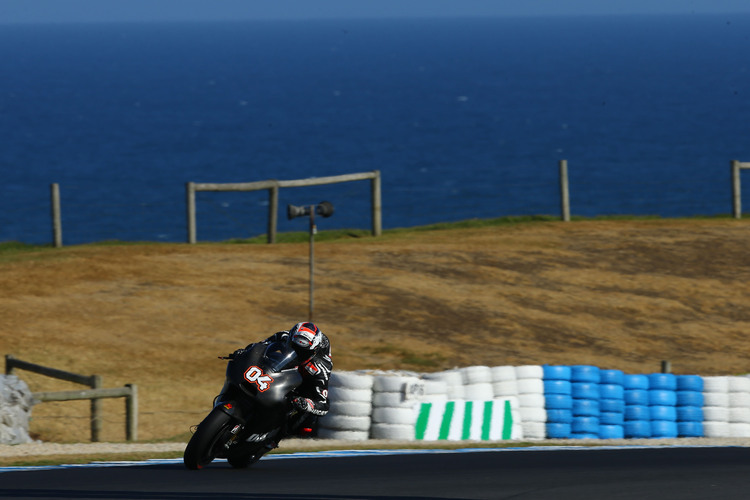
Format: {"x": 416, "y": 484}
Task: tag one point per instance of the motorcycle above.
{"x": 252, "y": 412}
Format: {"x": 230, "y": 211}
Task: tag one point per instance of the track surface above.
{"x": 641, "y": 473}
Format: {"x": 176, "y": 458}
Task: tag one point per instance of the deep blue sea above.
{"x": 464, "y": 119}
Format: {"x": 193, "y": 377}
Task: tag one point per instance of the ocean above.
{"x": 464, "y": 118}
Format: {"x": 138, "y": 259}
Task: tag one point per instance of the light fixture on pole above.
{"x": 324, "y": 209}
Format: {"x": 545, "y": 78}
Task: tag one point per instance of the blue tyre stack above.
{"x": 663, "y": 405}
{"x": 558, "y": 401}
{"x": 611, "y": 405}
{"x": 585, "y": 392}
{"x": 689, "y": 406}
{"x": 637, "y": 415}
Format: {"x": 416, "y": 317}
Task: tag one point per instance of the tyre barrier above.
{"x": 611, "y": 404}
{"x": 716, "y": 406}
{"x": 547, "y": 402}
{"x": 585, "y": 392}
{"x": 393, "y": 401}
{"x": 662, "y": 399}
{"x": 689, "y": 393}
{"x": 739, "y": 407}
{"x": 452, "y": 380}
{"x": 531, "y": 401}
{"x": 558, "y": 401}
{"x": 349, "y": 416}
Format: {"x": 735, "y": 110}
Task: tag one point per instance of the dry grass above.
{"x": 616, "y": 294}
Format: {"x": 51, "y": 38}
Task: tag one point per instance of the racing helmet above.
{"x": 305, "y": 339}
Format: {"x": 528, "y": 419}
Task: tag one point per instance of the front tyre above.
{"x": 242, "y": 461}
{"x": 208, "y": 440}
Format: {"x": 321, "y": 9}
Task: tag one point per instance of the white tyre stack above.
{"x": 349, "y": 417}
{"x": 530, "y": 380}
{"x": 394, "y": 416}
{"x": 716, "y": 406}
{"x": 504, "y": 382}
{"x": 433, "y": 391}
{"x": 505, "y": 385}
{"x": 477, "y": 382}
{"x": 739, "y": 407}
{"x": 452, "y": 381}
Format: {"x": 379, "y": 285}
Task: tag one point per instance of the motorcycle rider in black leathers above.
{"x": 314, "y": 351}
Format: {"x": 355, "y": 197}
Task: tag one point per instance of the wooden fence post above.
{"x": 96, "y": 410}
{"x": 273, "y": 212}
{"x": 191, "y": 226}
{"x": 564, "y": 192}
{"x": 56, "y": 215}
{"x": 131, "y": 413}
{"x": 736, "y": 190}
{"x": 377, "y": 210}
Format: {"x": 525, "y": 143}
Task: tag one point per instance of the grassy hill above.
{"x": 622, "y": 294}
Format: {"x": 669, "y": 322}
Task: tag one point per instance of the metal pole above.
{"x": 312, "y": 258}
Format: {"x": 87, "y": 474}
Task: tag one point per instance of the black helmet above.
{"x": 305, "y": 339}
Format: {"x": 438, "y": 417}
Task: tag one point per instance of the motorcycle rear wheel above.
{"x": 208, "y": 440}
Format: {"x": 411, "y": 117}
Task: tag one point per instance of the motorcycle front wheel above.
{"x": 242, "y": 461}
{"x": 208, "y": 440}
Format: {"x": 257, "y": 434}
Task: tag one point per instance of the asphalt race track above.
{"x": 633, "y": 473}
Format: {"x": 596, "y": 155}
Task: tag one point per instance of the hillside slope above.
{"x": 616, "y": 294}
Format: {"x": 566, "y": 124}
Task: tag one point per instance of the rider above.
{"x": 314, "y": 351}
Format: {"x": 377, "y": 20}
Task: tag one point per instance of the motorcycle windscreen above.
{"x": 280, "y": 356}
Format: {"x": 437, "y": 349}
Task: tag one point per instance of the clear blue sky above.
{"x": 64, "y": 11}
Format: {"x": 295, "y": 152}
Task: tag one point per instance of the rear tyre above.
{"x": 208, "y": 440}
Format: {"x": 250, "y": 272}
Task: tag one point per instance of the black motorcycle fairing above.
{"x": 265, "y": 372}
{"x": 255, "y": 400}
{"x": 258, "y": 381}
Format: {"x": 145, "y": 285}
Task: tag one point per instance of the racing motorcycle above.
{"x": 253, "y": 410}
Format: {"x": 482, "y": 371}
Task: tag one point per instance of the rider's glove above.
{"x": 304, "y": 404}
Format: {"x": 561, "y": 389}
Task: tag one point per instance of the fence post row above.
{"x": 129, "y": 392}
{"x": 273, "y": 187}
{"x": 736, "y": 166}
{"x": 375, "y": 187}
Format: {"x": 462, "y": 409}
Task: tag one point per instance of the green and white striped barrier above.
{"x": 465, "y": 420}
